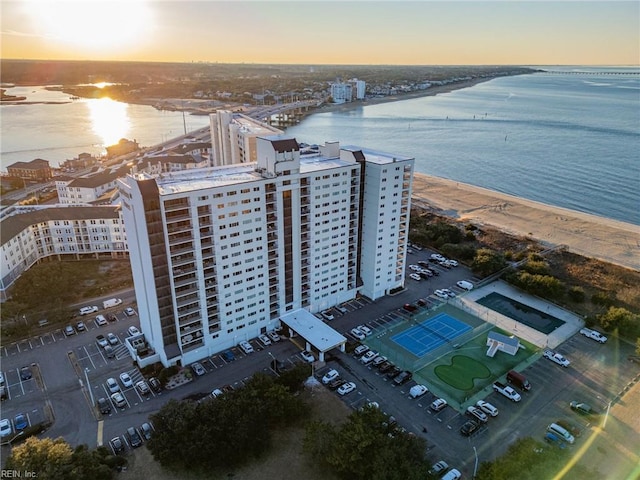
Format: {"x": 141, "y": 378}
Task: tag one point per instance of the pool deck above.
{"x": 573, "y": 323}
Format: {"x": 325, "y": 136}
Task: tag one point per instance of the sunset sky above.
{"x": 327, "y": 32}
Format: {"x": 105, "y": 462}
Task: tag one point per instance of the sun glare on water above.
{"x": 109, "y": 120}
{"x": 92, "y": 25}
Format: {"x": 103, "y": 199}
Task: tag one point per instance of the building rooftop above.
{"x": 376, "y": 156}
{"x": 313, "y": 330}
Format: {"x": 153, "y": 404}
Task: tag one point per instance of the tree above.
{"x": 487, "y": 262}
{"x": 53, "y": 459}
{"x": 619, "y": 318}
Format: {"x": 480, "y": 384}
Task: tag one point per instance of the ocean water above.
{"x": 570, "y": 140}
{"x": 57, "y": 132}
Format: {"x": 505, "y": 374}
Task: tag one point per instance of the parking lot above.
{"x": 61, "y": 365}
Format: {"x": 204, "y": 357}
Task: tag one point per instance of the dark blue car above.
{"x": 228, "y": 356}
{"x": 20, "y": 422}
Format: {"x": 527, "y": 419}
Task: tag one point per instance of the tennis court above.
{"x": 430, "y": 334}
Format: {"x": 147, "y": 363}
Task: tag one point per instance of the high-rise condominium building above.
{"x": 219, "y": 254}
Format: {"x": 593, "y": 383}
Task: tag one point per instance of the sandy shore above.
{"x": 588, "y": 235}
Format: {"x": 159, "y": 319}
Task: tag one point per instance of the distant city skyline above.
{"x": 328, "y": 32}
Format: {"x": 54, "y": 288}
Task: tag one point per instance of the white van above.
{"x": 465, "y": 285}
{"x": 561, "y": 432}
{"x": 452, "y": 474}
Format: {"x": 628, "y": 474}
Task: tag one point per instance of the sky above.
{"x": 419, "y": 32}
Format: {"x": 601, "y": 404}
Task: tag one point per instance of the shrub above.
{"x": 576, "y": 294}
{"x": 602, "y": 298}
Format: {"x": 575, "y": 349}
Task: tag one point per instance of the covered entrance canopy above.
{"x": 315, "y": 332}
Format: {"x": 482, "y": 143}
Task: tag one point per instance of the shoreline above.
{"x": 590, "y": 235}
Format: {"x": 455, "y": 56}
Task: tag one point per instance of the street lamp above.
{"x": 475, "y": 467}
{"x": 86, "y": 376}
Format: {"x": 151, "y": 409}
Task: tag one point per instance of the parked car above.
{"x": 451, "y": 263}
{"x": 129, "y": 312}
{"x": 327, "y": 315}
{"x": 378, "y": 360}
{"x": 554, "y": 440}
{"x": 582, "y": 408}
{"x": 134, "y": 437}
{"x": 330, "y": 376}
{"x": 409, "y": 307}
{"x": 393, "y": 372}
{"x": 228, "y": 356}
{"x": 465, "y": 285}
{"x": 417, "y": 391}
{"x": 112, "y": 317}
{"x": 112, "y": 338}
{"x": 403, "y": 377}
{"x": 146, "y": 430}
{"x": 364, "y": 329}
{"x": 118, "y": 400}
{"x": 477, "y": 413}
{"x": 69, "y": 330}
{"x": 307, "y": 356}
{"x": 438, "y": 404}
{"x": 198, "y": 369}
{"x": 5, "y": 428}
{"x": 368, "y": 357}
{"x": 26, "y": 373}
{"x": 337, "y": 383}
{"x": 556, "y": 358}
{"x": 273, "y": 336}
{"x": 104, "y": 406}
{"x": 155, "y": 384}
{"x": 264, "y": 340}
{"x": 415, "y": 276}
{"x": 438, "y": 467}
{"x": 101, "y": 341}
{"x": 346, "y": 388}
{"x": 441, "y": 294}
{"x": 143, "y": 388}
{"x": 469, "y": 427}
{"x": 81, "y": 327}
{"x": 133, "y": 331}
{"x": 125, "y": 378}
{"x": 438, "y": 257}
{"x": 112, "y": 385}
{"x": 357, "y": 333}
{"x": 88, "y": 310}
{"x": 20, "y": 422}
{"x": 385, "y": 366}
{"x": 487, "y": 408}
{"x": 246, "y": 347}
{"x": 109, "y": 352}
{"x": 100, "y": 320}
{"x": 452, "y": 474}
{"x": 360, "y": 350}
{"x": 117, "y": 445}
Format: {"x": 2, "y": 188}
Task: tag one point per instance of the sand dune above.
{"x": 585, "y": 234}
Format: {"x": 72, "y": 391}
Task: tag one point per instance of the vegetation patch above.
{"x": 461, "y": 372}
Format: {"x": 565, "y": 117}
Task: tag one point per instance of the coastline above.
{"x": 589, "y": 235}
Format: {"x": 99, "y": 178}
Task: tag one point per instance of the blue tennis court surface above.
{"x": 430, "y": 334}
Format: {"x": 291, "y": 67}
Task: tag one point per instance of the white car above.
{"x": 438, "y": 404}
{"x": 441, "y": 293}
{"x": 487, "y": 408}
{"x": 438, "y": 257}
{"x": 556, "y": 357}
{"x": 133, "y": 331}
{"x": 327, "y": 315}
{"x": 307, "y": 356}
{"x": 112, "y": 385}
{"x": 417, "y": 391}
{"x": 266, "y": 341}
{"x": 5, "y": 428}
{"x": 357, "y": 333}
{"x": 415, "y": 276}
{"x": 594, "y": 335}
{"x": 415, "y": 268}
{"x": 449, "y": 293}
{"x": 439, "y": 467}
{"x": 360, "y": 350}
{"x": 125, "y": 378}
{"x": 368, "y": 357}
{"x": 112, "y": 338}
{"x": 198, "y": 369}
{"x": 452, "y": 474}
{"x": 88, "y": 310}
{"x": 346, "y": 388}
{"x": 330, "y": 376}
{"x": 452, "y": 263}
{"x": 246, "y": 347}
{"x": 378, "y": 360}
{"x": 477, "y": 413}
{"x": 273, "y": 336}
{"x": 364, "y": 329}
{"x": 129, "y": 312}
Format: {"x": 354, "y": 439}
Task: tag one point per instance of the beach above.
{"x": 588, "y": 235}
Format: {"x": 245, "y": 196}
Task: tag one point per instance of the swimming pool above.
{"x": 532, "y": 317}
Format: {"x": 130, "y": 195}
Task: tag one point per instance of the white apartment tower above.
{"x": 219, "y": 254}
